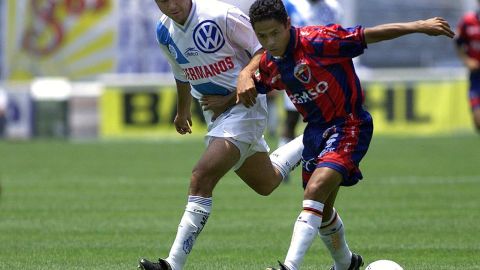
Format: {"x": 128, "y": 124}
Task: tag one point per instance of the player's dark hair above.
{"x": 262, "y": 10}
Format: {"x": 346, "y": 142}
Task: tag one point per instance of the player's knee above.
{"x": 200, "y": 183}
{"x": 318, "y": 189}
{"x": 476, "y": 119}
{"x": 313, "y": 190}
{"x": 265, "y": 190}
{"x": 477, "y": 123}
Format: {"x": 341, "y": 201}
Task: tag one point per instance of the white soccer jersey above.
{"x": 211, "y": 48}
{"x": 209, "y": 51}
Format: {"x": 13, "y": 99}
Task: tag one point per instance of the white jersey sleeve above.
{"x": 240, "y": 31}
{"x": 176, "y": 69}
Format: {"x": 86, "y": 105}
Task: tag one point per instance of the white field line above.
{"x": 412, "y": 179}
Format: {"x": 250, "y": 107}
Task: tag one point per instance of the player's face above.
{"x": 177, "y": 10}
{"x": 273, "y": 35}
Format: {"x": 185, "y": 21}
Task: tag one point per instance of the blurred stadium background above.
{"x": 110, "y": 79}
{"x": 92, "y": 174}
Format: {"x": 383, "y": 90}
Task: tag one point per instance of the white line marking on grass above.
{"x": 412, "y": 179}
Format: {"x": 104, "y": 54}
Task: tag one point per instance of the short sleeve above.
{"x": 163, "y": 41}
{"x": 334, "y": 41}
{"x": 176, "y": 69}
{"x": 240, "y": 31}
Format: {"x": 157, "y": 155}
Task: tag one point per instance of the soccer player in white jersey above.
{"x": 213, "y": 52}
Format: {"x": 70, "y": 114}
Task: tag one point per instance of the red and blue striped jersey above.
{"x": 468, "y": 34}
{"x": 317, "y": 72}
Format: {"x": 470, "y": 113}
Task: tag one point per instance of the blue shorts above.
{"x": 474, "y": 92}
{"x": 339, "y": 145}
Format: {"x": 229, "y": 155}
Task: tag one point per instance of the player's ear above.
{"x": 289, "y": 22}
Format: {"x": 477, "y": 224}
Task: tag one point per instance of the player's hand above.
{"x": 472, "y": 64}
{"x": 246, "y": 91}
{"x": 217, "y": 104}
{"x": 183, "y": 124}
{"x": 437, "y": 27}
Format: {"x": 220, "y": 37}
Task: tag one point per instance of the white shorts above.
{"x": 243, "y": 127}
{"x": 288, "y": 103}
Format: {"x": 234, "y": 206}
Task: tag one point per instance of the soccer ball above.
{"x": 384, "y": 265}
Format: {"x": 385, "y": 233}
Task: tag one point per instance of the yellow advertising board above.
{"x": 421, "y": 108}
{"x": 75, "y": 39}
{"x": 141, "y": 112}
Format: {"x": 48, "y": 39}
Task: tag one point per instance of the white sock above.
{"x": 305, "y": 230}
{"x": 332, "y": 234}
{"x": 288, "y": 156}
{"x": 192, "y": 223}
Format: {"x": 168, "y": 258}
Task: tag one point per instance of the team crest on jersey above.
{"x": 208, "y": 37}
{"x": 302, "y": 72}
{"x": 172, "y": 51}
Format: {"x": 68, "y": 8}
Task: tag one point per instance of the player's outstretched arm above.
{"x": 246, "y": 92}
{"x": 183, "y": 119}
{"x": 433, "y": 27}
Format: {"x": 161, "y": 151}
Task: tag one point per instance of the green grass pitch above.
{"x": 102, "y": 205}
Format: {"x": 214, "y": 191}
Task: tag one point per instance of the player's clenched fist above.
{"x": 247, "y": 96}
{"x": 437, "y": 27}
{"x": 246, "y": 91}
{"x": 183, "y": 124}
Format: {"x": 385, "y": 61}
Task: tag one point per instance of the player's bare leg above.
{"x": 264, "y": 173}
{"x": 259, "y": 174}
{"x": 290, "y": 125}
{"x": 476, "y": 118}
{"x": 219, "y": 157}
{"x": 332, "y": 233}
{"x": 319, "y": 198}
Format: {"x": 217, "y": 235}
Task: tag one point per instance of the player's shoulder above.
{"x": 164, "y": 22}
{"x": 163, "y": 29}
{"x": 316, "y": 30}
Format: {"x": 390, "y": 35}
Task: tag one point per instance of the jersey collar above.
{"x": 193, "y": 10}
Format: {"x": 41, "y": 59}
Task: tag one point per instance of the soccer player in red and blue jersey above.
{"x": 468, "y": 49}
{"x": 313, "y": 64}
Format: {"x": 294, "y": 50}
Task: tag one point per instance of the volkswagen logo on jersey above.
{"x": 302, "y": 72}
{"x": 208, "y": 37}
